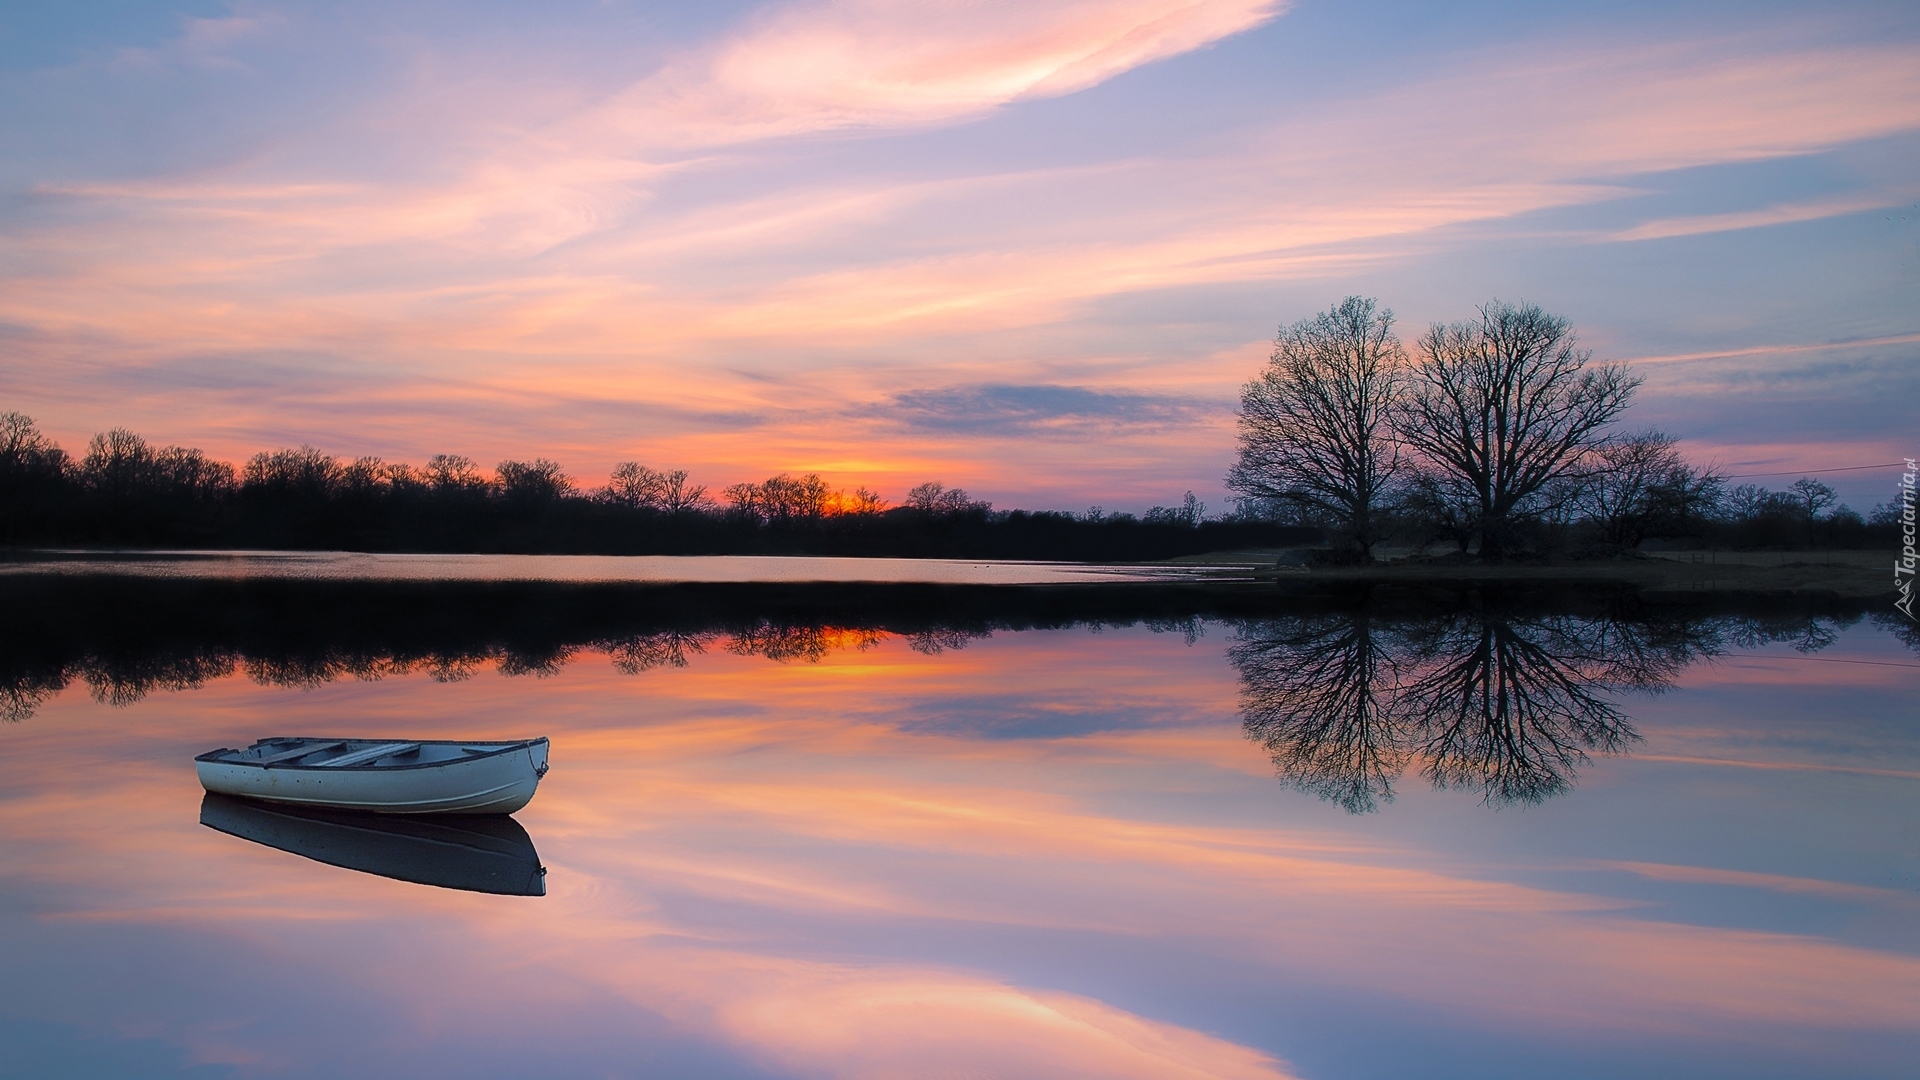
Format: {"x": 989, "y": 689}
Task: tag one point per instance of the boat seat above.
{"x": 304, "y": 748}
{"x": 368, "y": 754}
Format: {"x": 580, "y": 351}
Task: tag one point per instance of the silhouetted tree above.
{"x": 781, "y": 499}
{"x": 305, "y": 474}
{"x": 1316, "y": 426}
{"x": 939, "y": 500}
{"x": 1640, "y": 486}
{"x": 862, "y": 500}
{"x": 453, "y": 474}
{"x": 1502, "y": 408}
{"x": 637, "y": 486}
{"x": 33, "y": 477}
{"x": 533, "y": 484}
{"x": 118, "y": 468}
{"x": 1811, "y": 497}
{"x": 1189, "y": 513}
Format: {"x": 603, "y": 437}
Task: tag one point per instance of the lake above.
{"x": 366, "y": 566}
{"x": 939, "y": 830}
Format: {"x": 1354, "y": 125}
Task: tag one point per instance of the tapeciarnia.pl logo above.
{"x": 1904, "y": 565}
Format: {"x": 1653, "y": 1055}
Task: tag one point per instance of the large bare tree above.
{"x": 1505, "y": 407}
{"x": 1316, "y": 426}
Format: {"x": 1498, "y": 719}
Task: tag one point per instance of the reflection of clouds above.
{"x": 756, "y": 855}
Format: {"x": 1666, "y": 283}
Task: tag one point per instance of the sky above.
{"x": 1030, "y": 249}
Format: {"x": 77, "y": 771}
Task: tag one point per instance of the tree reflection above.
{"x": 1317, "y": 694}
{"x": 1345, "y": 702}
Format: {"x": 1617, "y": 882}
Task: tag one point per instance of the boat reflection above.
{"x": 488, "y": 853}
{"x": 1345, "y": 702}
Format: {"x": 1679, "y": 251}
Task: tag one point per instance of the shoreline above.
{"x": 1848, "y": 574}
{"x": 1852, "y": 574}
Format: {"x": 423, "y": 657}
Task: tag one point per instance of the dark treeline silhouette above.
{"x": 1303, "y": 655}
{"x": 126, "y": 492}
{"x": 1499, "y": 436}
{"x": 1510, "y": 702}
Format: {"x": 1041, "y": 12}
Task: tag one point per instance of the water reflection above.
{"x": 486, "y": 853}
{"x": 1511, "y": 704}
{"x": 1046, "y": 854}
{"x": 126, "y": 638}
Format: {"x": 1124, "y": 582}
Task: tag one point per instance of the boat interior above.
{"x": 364, "y": 753}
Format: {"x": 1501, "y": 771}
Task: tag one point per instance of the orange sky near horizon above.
{"x": 1027, "y": 249}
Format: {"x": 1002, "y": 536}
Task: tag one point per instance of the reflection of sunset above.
{"x": 827, "y": 865}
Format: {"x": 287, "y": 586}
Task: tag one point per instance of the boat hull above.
{"x": 496, "y": 783}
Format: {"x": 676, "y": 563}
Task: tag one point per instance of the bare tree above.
{"x": 1810, "y": 498}
{"x": 533, "y": 483}
{"x": 681, "y": 497}
{"x": 300, "y": 473}
{"x": 118, "y": 465}
{"x": 862, "y": 500}
{"x": 1640, "y": 486}
{"x": 937, "y": 499}
{"x": 1189, "y": 513}
{"x": 448, "y": 473}
{"x": 1316, "y": 426}
{"x": 633, "y": 484}
{"x": 33, "y": 473}
{"x": 783, "y": 498}
{"x": 1504, "y": 407}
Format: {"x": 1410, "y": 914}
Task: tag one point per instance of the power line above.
{"x": 1826, "y": 660}
{"x": 1814, "y": 472}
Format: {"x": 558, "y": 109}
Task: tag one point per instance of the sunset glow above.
{"x": 1028, "y": 249}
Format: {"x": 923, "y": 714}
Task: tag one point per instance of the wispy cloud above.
{"x": 1006, "y": 409}
{"x": 805, "y": 67}
{"x": 1779, "y": 214}
{"x": 657, "y": 242}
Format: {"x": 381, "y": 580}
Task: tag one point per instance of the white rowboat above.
{"x": 384, "y": 776}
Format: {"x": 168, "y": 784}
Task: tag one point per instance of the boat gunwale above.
{"x": 500, "y": 747}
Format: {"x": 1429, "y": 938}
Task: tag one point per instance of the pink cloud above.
{"x": 804, "y": 67}
{"x": 540, "y": 263}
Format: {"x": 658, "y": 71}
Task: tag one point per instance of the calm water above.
{"x": 359, "y": 566}
{"x": 1321, "y": 844}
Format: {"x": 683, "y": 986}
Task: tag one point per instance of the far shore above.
{"x": 1853, "y": 574}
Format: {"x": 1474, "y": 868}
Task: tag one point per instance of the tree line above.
{"x": 125, "y": 491}
{"x": 1497, "y": 434}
